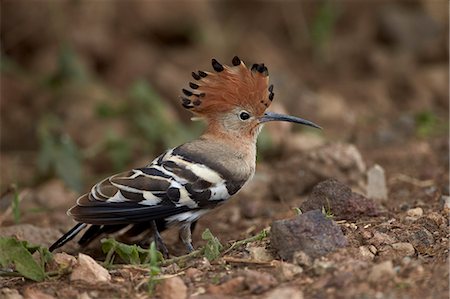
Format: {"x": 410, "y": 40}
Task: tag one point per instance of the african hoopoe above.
{"x": 186, "y": 182}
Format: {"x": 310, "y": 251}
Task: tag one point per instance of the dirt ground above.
{"x": 92, "y": 88}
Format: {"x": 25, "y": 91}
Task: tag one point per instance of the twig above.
{"x": 231, "y": 259}
{"x": 413, "y": 181}
{"x": 263, "y": 234}
{"x": 185, "y": 257}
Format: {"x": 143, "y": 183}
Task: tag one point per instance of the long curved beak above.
{"x": 270, "y": 116}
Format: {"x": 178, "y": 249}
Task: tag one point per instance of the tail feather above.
{"x": 68, "y": 236}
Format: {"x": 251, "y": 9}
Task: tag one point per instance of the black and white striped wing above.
{"x": 172, "y": 188}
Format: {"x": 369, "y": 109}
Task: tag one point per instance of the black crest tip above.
{"x": 216, "y": 65}
{"x": 196, "y": 76}
{"x": 186, "y": 92}
{"x": 236, "y": 61}
{"x": 193, "y": 85}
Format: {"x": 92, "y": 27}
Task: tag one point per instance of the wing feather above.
{"x": 170, "y": 185}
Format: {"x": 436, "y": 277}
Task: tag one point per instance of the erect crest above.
{"x": 229, "y": 87}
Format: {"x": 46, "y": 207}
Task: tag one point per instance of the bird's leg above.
{"x": 186, "y": 236}
{"x": 159, "y": 241}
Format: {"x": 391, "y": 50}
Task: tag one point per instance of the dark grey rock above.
{"x": 310, "y": 232}
{"x": 339, "y": 199}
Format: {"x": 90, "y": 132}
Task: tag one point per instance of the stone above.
{"x": 302, "y": 259}
{"x": 62, "y": 260}
{"x": 30, "y": 293}
{"x": 305, "y": 170}
{"x": 404, "y": 249}
{"x": 285, "y": 292}
{"x": 365, "y": 253}
{"x": 415, "y": 213}
{"x": 7, "y": 293}
{"x": 260, "y": 254}
{"x": 310, "y": 232}
{"x": 339, "y": 199}
{"x": 231, "y": 286}
{"x": 88, "y": 270}
{"x": 376, "y": 184}
{"x": 422, "y": 240}
{"x": 381, "y": 271}
{"x": 193, "y": 274}
{"x": 32, "y": 234}
{"x": 287, "y": 271}
{"x": 258, "y": 282}
{"x": 172, "y": 288}
{"x": 379, "y": 239}
{"x": 445, "y": 200}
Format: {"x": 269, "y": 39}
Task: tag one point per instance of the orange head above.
{"x": 234, "y": 99}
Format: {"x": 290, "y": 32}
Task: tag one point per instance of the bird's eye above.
{"x": 244, "y": 115}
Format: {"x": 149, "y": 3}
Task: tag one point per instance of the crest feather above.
{"x": 229, "y": 87}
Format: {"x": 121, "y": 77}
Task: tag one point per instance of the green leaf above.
{"x": 15, "y": 252}
{"x": 212, "y": 247}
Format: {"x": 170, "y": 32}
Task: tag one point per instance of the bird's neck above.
{"x": 242, "y": 144}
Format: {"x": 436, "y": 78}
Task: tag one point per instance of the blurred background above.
{"x": 92, "y": 87}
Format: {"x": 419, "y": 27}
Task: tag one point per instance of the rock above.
{"x": 445, "y": 200}
{"x": 376, "y": 184}
{"x": 365, "y": 253}
{"x": 322, "y": 266}
{"x": 287, "y": 271}
{"x": 415, "y": 213}
{"x": 339, "y": 199}
{"x": 193, "y": 274}
{"x": 336, "y": 160}
{"x": 54, "y": 194}
{"x": 379, "y": 239}
{"x": 258, "y": 282}
{"x": 84, "y": 295}
{"x": 172, "y": 288}
{"x": 422, "y": 240}
{"x": 260, "y": 254}
{"x": 285, "y": 292}
{"x": 7, "y": 293}
{"x": 404, "y": 249}
{"x": 33, "y": 234}
{"x": 89, "y": 271}
{"x": 384, "y": 270}
{"x": 302, "y": 259}
{"x": 30, "y": 293}
{"x": 309, "y": 232}
{"x": 60, "y": 261}
{"x": 229, "y": 287}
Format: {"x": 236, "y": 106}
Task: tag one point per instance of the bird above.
{"x": 188, "y": 181}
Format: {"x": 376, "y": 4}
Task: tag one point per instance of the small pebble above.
{"x": 415, "y": 213}
{"x": 172, "y": 288}
{"x": 380, "y": 271}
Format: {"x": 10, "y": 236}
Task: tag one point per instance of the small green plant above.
{"x": 155, "y": 259}
{"x": 297, "y": 211}
{"x": 213, "y": 246}
{"x": 327, "y": 212}
{"x": 426, "y": 123}
{"x": 18, "y": 254}
{"x": 322, "y": 27}
{"x": 58, "y": 154}
{"x": 130, "y": 254}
